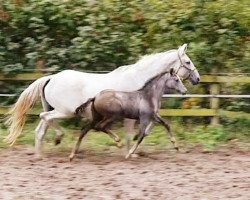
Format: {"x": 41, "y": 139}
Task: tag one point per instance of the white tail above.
{"x": 17, "y": 114}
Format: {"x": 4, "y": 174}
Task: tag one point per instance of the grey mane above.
{"x": 158, "y": 76}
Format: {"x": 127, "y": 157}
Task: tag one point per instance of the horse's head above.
{"x": 187, "y": 70}
{"x": 175, "y": 83}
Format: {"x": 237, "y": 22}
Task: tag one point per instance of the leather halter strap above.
{"x": 183, "y": 65}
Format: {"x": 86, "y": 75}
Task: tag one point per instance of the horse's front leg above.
{"x": 167, "y": 126}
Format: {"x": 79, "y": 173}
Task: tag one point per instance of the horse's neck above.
{"x": 162, "y": 62}
{"x": 133, "y": 77}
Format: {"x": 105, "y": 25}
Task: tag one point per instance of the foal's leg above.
{"x": 102, "y": 126}
{"x": 84, "y": 131}
{"x": 167, "y": 126}
{"x": 129, "y": 125}
{"x": 145, "y": 128}
{"x": 114, "y": 137}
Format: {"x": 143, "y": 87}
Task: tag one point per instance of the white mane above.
{"x": 151, "y": 60}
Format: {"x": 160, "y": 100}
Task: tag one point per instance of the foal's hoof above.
{"x": 71, "y": 157}
{"x": 177, "y": 149}
{"x": 58, "y": 141}
{"x": 136, "y": 137}
{"x": 119, "y": 144}
{"x": 127, "y": 156}
{"x": 135, "y": 155}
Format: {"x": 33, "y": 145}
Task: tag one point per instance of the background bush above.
{"x": 105, "y": 34}
{"x": 102, "y": 35}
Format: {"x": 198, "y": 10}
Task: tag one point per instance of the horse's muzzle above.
{"x": 184, "y": 92}
{"x": 195, "y": 82}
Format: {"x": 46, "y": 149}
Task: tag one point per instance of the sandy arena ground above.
{"x": 158, "y": 175}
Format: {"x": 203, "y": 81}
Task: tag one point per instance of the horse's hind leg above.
{"x": 49, "y": 118}
{"x": 52, "y": 115}
{"x": 40, "y": 132}
{"x": 53, "y": 123}
{"x": 42, "y": 128}
{"x": 59, "y": 132}
{"x": 84, "y": 131}
{"x": 167, "y": 126}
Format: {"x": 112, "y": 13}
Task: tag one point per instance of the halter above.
{"x": 182, "y": 65}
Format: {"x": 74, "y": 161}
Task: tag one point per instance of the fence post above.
{"x": 215, "y": 103}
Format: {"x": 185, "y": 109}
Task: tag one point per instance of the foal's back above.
{"x": 118, "y": 104}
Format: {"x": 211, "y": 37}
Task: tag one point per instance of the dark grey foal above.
{"x": 143, "y": 105}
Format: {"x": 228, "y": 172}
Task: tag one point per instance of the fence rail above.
{"x": 204, "y": 78}
{"x": 200, "y": 112}
{"x": 180, "y": 96}
{"x": 206, "y": 96}
{"x": 215, "y": 112}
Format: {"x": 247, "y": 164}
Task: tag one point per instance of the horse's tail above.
{"x": 17, "y": 114}
{"x": 79, "y": 110}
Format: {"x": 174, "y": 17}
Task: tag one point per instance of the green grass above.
{"x": 187, "y": 137}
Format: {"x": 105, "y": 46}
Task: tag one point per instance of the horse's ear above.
{"x": 171, "y": 71}
{"x": 182, "y": 49}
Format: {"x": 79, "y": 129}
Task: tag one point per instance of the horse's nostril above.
{"x": 198, "y": 79}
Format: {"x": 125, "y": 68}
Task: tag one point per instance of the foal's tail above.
{"x": 81, "y": 108}
{"x": 17, "y": 114}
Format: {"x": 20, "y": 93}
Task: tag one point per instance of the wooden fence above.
{"x": 214, "y": 111}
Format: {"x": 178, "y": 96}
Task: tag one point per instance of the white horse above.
{"x": 63, "y": 92}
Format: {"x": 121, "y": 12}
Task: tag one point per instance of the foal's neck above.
{"x": 154, "y": 90}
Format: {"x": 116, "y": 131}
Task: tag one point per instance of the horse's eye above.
{"x": 188, "y": 62}
{"x": 177, "y": 80}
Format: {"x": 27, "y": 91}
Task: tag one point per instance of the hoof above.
{"x": 134, "y": 155}
{"x": 177, "y": 149}
{"x": 37, "y": 157}
{"x": 57, "y": 141}
{"x": 127, "y": 156}
{"x": 71, "y": 157}
{"x": 119, "y": 144}
{"x": 136, "y": 137}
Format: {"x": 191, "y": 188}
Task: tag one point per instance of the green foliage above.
{"x": 101, "y": 35}
{"x": 208, "y": 138}
{"x": 212, "y": 137}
